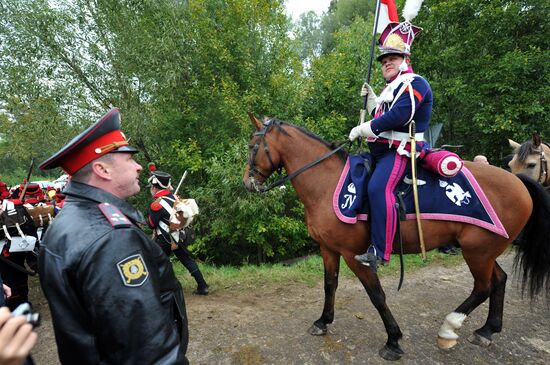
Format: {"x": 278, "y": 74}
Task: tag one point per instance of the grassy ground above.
{"x": 308, "y": 271}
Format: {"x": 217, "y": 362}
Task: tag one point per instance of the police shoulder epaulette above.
{"x": 114, "y": 215}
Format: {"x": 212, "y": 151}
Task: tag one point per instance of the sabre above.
{"x": 412, "y": 132}
{"x": 181, "y": 181}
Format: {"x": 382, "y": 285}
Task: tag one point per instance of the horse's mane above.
{"x": 527, "y": 148}
{"x": 277, "y": 122}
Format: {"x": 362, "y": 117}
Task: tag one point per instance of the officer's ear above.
{"x": 101, "y": 170}
{"x": 103, "y": 167}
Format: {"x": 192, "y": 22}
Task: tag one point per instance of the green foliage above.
{"x": 341, "y": 14}
{"x": 236, "y": 226}
{"x": 184, "y": 74}
{"x": 487, "y": 64}
{"x": 336, "y": 77}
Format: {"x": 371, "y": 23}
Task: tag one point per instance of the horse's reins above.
{"x": 282, "y": 179}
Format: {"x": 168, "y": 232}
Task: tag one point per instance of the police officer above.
{"x": 407, "y": 97}
{"x": 112, "y": 292}
{"x": 160, "y": 184}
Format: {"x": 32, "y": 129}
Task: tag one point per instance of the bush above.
{"x": 236, "y": 226}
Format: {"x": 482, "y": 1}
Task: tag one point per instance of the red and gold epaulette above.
{"x": 156, "y": 206}
{"x": 114, "y": 215}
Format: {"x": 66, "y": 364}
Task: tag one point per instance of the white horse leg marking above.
{"x": 446, "y": 337}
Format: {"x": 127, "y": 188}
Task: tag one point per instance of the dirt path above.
{"x": 269, "y": 325}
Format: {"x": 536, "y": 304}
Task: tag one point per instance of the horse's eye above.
{"x": 531, "y": 165}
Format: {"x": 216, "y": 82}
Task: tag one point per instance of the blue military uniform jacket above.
{"x": 407, "y": 97}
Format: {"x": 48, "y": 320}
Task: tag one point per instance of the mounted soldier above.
{"x": 406, "y": 100}
{"x": 162, "y": 213}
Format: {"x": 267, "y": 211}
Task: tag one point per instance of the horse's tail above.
{"x": 533, "y": 255}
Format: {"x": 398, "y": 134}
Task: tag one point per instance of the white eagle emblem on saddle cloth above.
{"x": 455, "y": 199}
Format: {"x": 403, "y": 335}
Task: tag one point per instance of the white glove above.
{"x": 363, "y": 130}
{"x": 367, "y": 91}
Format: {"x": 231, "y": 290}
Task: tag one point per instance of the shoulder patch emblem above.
{"x": 114, "y": 215}
{"x": 133, "y": 270}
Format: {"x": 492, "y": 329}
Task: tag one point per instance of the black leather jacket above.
{"x": 113, "y": 295}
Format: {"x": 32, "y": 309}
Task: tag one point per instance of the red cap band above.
{"x": 99, "y": 147}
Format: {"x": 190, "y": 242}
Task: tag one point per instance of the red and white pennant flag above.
{"x": 388, "y": 13}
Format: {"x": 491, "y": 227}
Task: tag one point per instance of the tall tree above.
{"x": 487, "y": 63}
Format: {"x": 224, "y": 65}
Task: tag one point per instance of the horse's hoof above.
{"x": 390, "y": 354}
{"x": 445, "y": 343}
{"x": 316, "y": 331}
{"x": 479, "y": 340}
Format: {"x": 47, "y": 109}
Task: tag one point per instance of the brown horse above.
{"x": 531, "y": 158}
{"x": 315, "y": 171}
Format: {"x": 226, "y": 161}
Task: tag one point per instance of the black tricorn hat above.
{"x": 102, "y": 137}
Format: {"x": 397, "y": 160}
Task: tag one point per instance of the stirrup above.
{"x": 368, "y": 259}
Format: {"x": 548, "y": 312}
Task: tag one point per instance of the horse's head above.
{"x": 263, "y": 154}
{"x": 530, "y": 158}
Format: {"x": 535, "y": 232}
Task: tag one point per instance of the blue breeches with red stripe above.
{"x": 389, "y": 170}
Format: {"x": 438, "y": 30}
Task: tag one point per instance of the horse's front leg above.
{"x": 392, "y": 350}
{"x": 331, "y": 261}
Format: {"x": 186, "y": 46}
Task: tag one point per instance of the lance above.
{"x": 22, "y": 195}
{"x": 181, "y": 181}
{"x": 364, "y": 107}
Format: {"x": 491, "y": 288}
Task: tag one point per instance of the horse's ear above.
{"x": 513, "y": 144}
{"x": 536, "y": 140}
{"x": 255, "y": 122}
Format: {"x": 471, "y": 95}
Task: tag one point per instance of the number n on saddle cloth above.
{"x": 404, "y": 105}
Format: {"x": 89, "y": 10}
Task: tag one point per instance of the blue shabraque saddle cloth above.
{"x": 456, "y": 199}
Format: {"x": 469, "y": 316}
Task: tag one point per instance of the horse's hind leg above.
{"x": 483, "y": 335}
{"x": 482, "y": 269}
{"x": 331, "y": 261}
{"x": 392, "y": 350}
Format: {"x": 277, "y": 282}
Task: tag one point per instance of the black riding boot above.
{"x": 202, "y": 287}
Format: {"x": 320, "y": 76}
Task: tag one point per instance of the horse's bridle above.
{"x": 543, "y": 171}
{"x": 251, "y": 166}
{"x": 282, "y": 179}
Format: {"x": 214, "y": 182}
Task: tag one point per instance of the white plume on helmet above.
{"x": 411, "y": 8}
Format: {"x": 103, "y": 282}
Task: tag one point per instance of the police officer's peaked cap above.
{"x": 103, "y": 137}
{"x": 159, "y": 178}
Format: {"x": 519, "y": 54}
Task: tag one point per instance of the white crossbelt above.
{"x": 399, "y": 136}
